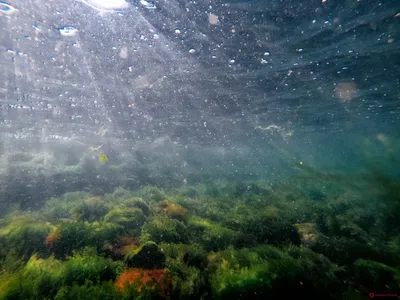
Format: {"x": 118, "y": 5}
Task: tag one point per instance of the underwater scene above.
{"x": 208, "y": 149}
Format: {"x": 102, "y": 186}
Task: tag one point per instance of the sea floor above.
{"x": 315, "y": 237}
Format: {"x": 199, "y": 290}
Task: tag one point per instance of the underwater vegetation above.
{"x": 318, "y": 235}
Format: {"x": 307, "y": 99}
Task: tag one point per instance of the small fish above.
{"x": 95, "y": 149}
{"x": 102, "y": 131}
{"x": 103, "y": 158}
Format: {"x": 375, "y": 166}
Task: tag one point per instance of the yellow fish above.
{"x": 103, "y": 158}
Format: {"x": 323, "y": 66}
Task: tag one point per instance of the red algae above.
{"x": 144, "y": 277}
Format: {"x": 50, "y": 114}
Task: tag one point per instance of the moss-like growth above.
{"x": 46, "y": 275}
{"x": 14, "y": 286}
{"x": 174, "y": 211}
{"x": 137, "y": 202}
{"x": 186, "y": 263}
{"x": 11, "y": 262}
{"x": 376, "y": 276}
{"x": 268, "y": 272}
{"x": 88, "y": 266}
{"x": 90, "y": 209}
{"x": 63, "y": 207}
{"x": 345, "y": 251}
{"x": 148, "y": 256}
{"x": 25, "y": 236}
{"x": 100, "y": 233}
{"x": 163, "y": 229}
{"x": 40, "y": 279}
{"x": 190, "y": 192}
{"x": 128, "y": 217}
{"x": 188, "y": 282}
{"x": 105, "y": 291}
{"x": 270, "y": 229}
{"x": 211, "y": 189}
{"x": 55, "y": 209}
{"x": 219, "y": 240}
{"x": 343, "y": 226}
{"x": 215, "y": 237}
{"x": 152, "y": 194}
{"x": 193, "y": 255}
{"x": 218, "y": 237}
{"x": 243, "y": 189}
{"x": 70, "y": 237}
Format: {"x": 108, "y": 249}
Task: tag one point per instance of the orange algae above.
{"x": 174, "y": 210}
{"x": 144, "y": 277}
{"x": 52, "y": 238}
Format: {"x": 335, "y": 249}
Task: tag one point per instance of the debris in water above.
{"x": 68, "y": 31}
{"x": 95, "y": 149}
{"x": 213, "y": 19}
{"x": 147, "y": 5}
{"x": 103, "y": 158}
{"x": 102, "y": 131}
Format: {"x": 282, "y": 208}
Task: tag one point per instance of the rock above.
{"x": 149, "y": 256}
{"x": 307, "y": 232}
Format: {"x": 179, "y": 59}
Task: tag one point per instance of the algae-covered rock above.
{"x": 186, "y": 264}
{"x": 90, "y": 209}
{"x": 344, "y": 251}
{"x": 218, "y": 237}
{"x": 164, "y": 229}
{"x": 45, "y": 274}
{"x": 148, "y": 256}
{"x": 191, "y": 255}
{"x": 377, "y": 276}
{"x": 87, "y": 265}
{"x": 101, "y": 232}
{"x": 129, "y": 217}
{"x": 308, "y": 233}
{"x": 268, "y": 271}
{"x": 174, "y": 210}
{"x": 214, "y": 236}
{"x": 270, "y": 229}
{"x": 105, "y": 290}
{"x": 190, "y": 192}
{"x": 152, "y": 194}
{"x": 69, "y": 237}
{"x": 25, "y": 236}
{"x": 139, "y": 203}
{"x": 38, "y": 279}
{"x": 120, "y": 248}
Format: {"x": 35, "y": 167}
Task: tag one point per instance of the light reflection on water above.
{"x": 6, "y": 8}
{"x": 106, "y": 5}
